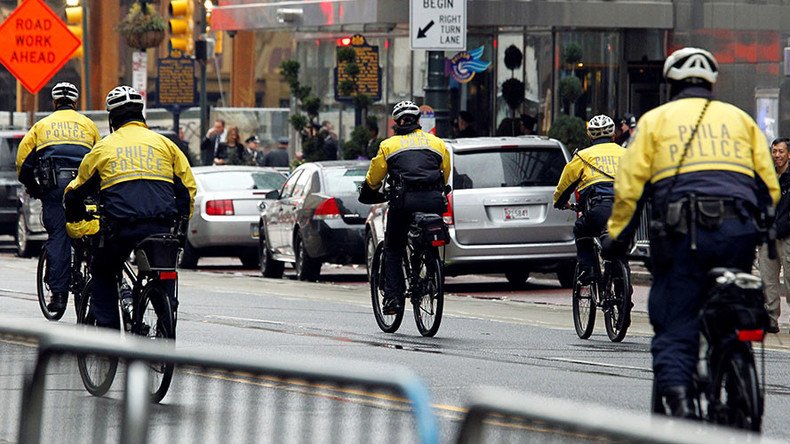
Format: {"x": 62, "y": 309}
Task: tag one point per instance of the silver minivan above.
{"x": 501, "y": 216}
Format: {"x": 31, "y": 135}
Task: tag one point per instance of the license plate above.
{"x": 254, "y": 231}
{"x": 516, "y": 213}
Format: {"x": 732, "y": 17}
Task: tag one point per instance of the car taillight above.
{"x": 751, "y": 335}
{"x": 220, "y": 207}
{"x": 327, "y": 210}
{"x": 447, "y": 217}
{"x": 168, "y": 275}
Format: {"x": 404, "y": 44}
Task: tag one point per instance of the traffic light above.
{"x": 74, "y": 14}
{"x": 181, "y": 26}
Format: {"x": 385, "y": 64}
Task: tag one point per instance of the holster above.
{"x": 46, "y": 174}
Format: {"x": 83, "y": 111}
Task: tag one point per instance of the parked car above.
{"x": 30, "y": 233}
{"x": 225, "y": 219}
{"x": 500, "y": 214}
{"x": 314, "y": 218}
{"x": 12, "y": 196}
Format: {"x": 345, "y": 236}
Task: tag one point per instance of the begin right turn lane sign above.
{"x": 437, "y": 25}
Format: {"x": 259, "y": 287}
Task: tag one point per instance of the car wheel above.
{"x": 566, "y": 274}
{"x": 307, "y": 268}
{"x": 250, "y": 259}
{"x": 270, "y": 267}
{"x": 517, "y": 278}
{"x": 24, "y": 247}
{"x": 189, "y": 257}
{"x": 370, "y": 252}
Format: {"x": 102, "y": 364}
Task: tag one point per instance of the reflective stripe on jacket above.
{"x": 726, "y": 158}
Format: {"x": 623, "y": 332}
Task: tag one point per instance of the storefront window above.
{"x": 476, "y": 95}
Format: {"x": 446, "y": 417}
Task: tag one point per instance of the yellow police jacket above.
{"x": 726, "y": 157}
{"x": 595, "y": 165}
{"x": 139, "y": 174}
{"x": 417, "y": 157}
{"x": 64, "y": 134}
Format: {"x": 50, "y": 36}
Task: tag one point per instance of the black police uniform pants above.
{"x": 108, "y": 265}
{"x": 58, "y": 241}
{"x": 398, "y": 221}
{"x": 678, "y": 292}
{"x": 590, "y": 225}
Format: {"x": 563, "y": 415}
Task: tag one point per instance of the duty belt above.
{"x": 67, "y": 173}
{"x": 595, "y": 200}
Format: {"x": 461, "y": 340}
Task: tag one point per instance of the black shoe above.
{"x": 58, "y": 302}
{"x": 391, "y": 306}
{"x": 773, "y": 328}
{"x": 680, "y": 401}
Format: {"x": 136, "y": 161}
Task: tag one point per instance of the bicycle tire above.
{"x": 584, "y": 323}
{"x": 387, "y": 323}
{"x": 42, "y": 288}
{"x": 97, "y": 372}
{"x": 154, "y": 320}
{"x": 737, "y": 400}
{"x": 429, "y": 317}
{"x": 617, "y": 315}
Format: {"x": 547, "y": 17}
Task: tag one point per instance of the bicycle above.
{"x": 423, "y": 276}
{"x": 79, "y": 273}
{"x": 727, "y": 389}
{"x": 611, "y": 290}
{"x": 150, "y": 313}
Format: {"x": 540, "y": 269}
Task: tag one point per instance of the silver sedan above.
{"x": 226, "y": 212}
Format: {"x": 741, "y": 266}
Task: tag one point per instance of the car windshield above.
{"x": 241, "y": 180}
{"x": 507, "y": 167}
{"x": 8, "y": 148}
{"x": 344, "y": 180}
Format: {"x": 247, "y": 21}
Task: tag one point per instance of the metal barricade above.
{"x": 213, "y": 398}
{"x": 496, "y": 415}
{"x": 17, "y": 358}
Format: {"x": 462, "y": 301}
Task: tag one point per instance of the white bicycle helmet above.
{"x": 600, "y": 126}
{"x": 123, "y": 95}
{"x": 405, "y": 108}
{"x": 691, "y": 63}
{"x": 65, "y": 90}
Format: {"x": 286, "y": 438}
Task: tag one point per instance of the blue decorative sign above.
{"x": 464, "y": 65}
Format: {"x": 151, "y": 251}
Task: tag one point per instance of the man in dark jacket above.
{"x": 278, "y": 157}
{"x": 770, "y": 269}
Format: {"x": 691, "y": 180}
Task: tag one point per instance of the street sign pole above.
{"x": 437, "y": 94}
{"x": 86, "y": 55}
{"x": 176, "y": 110}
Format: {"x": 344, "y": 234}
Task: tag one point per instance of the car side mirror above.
{"x": 273, "y": 194}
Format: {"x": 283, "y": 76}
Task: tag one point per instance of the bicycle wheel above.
{"x": 428, "y": 299}
{"x": 97, "y": 371}
{"x": 583, "y": 307}
{"x": 154, "y": 320}
{"x": 42, "y": 287}
{"x": 617, "y": 306}
{"x": 737, "y": 400}
{"x": 387, "y": 323}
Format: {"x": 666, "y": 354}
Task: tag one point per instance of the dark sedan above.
{"x": 314, "y": 218}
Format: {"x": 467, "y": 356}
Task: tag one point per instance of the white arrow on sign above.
{"x": 437, "y": 24}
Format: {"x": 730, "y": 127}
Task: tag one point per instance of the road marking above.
{"x": 233, "y": 318}
{"x": 598, "y": 364}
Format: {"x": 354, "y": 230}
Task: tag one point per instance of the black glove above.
{"x": 75, "y": 208}
{"x": 35, "y": 191}
{"x": 614, "y": 248}
{"x": 369, "y": 196}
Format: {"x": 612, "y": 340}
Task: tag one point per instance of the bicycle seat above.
{"x": 158, "y": 252}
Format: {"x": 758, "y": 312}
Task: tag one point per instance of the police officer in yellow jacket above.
{"x": 144, "y": 184}
{"x": 691, "y": 156}
{"x": 47, "y": 159}
{"x": 417, "y": 167}
{"x": 591, "y": 171}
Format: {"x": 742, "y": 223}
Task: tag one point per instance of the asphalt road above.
{"x": 490, "y": 336}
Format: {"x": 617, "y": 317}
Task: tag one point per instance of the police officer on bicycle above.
{"x": 417, "y": 166}
{"x": 703, "y": 166}
{"x": 47, "y": 159}
{"x": 591, "y": 171}
{"x": 144, "y": 184}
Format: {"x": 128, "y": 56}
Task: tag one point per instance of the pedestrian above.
{"x": 771, "y": 270}
{"x": 210, "y": 145}
{"x": 252, "y": 151}
{"x": 697, "y": 156}
{"x": 232, "y": 148}
{"x": 466, "y": 127}
{"x": 528, "y": 125}
{"x": 372, "y": 147}
{"x": 626, "y": 130}
{"x": 278, "y": 157}
{"x": 331, "y": 144}
{"x": 47, "y": 159}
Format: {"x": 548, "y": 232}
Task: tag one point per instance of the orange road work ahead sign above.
{"x": 35, "y": 44}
